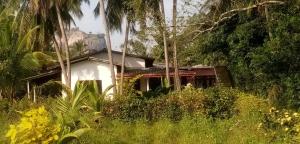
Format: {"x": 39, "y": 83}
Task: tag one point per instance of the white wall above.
{"x": 90, "y": 70}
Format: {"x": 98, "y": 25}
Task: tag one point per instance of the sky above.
{"x": 89, "y": 24}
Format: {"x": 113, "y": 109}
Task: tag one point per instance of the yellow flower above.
{"x": 289, "y": 119}
{"x": 286, "y": 114}
{"x": 34, "y": 126}
{"x": 286, "y": 129}
{"x": 40, "y": 135}
{"x": 259, "y": 126}
{"x": 281, "y": 123}
{"x": 272, "y": 109}
{"x": 12, "y": 133}
{"x": 295, "y": 114}
{"x": 55, "y": 137}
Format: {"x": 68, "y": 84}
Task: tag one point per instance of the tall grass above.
{"x": 190, "y": 130}
{"x": 195, "y": 126}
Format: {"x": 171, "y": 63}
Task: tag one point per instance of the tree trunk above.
{"x": 60, "y": 59}
{"x": 268, "y": 20}
{"x": 165, "y": 42}
{"x": 123, "y": 57}
{"x": 67, "y": 50}
{"x": 176, "y": 74}
{"x": 108, "y": 43}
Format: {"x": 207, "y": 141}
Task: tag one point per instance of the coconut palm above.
{"x": 15, "y": 54}
{"x": 54, "y": 16}
{"x": 176, "y": 74}
{"x": 108, "y": 42}
{"x": 165, "y": 42}
{"x": 133, "y": 11}
{"x": 115, "y": 12}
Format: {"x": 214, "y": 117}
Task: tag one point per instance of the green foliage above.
{"x": 190, "y": 130}
{"x": 69, "y": 136}
{"x": 177, "y": 117}
{"x": 260, "y": 54}
{"x": 68, "y": 108}
{"x": 219, "y": 103}
{"x": 282, "y": 125}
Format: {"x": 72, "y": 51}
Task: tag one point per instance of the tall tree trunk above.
{"x": 176, "y": 74}
{"x": 164, "y": 26}
{"x": 67, "y": 50}
{"x": 108, "y": 43}
{"x": 268, "y": 20}
{"x": 123, "y": 56}
{"x": 60, "y": 59}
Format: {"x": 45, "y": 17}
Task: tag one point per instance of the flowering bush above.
{"x": 34, "y": 127}
{"x": 281, "y": 124}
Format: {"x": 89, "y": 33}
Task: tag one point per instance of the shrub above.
{"x": 219, "y": 102}
{"x": 35, "y": 126}
{"x": 281, "y": 124}
{"x": 249, "y": 105}
{"x": 214, "y": 102}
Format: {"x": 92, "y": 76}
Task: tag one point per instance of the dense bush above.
{"x": 282, "y": 125}
{"x": 220, "y": 103}
{"x": 213, "y": 102}
{"x": 259, "y": 53}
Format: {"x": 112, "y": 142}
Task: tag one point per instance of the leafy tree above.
{"x": 262, "y": 53}
{"x": 16, "y": 58}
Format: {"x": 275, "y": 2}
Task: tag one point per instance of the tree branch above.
{"x": 229, "y": 14}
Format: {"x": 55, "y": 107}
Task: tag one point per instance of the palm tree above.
{"x": 53, "y": 16}
{"x": 108, "y": 43}
{"x": 176, "y": 74}
{"x": 124, "y": 56}
{"x": 67, "y": 49}
{"x": 129, "y": 14}
{"x": 165, "y": 42}
{"x": 133, "y": 11}
{"x": 16, "y": 59}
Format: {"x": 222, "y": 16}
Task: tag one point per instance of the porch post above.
{"x": 1, "y": 94}
{"x": 148, "y": 87}
{"x": 28, "y": 90}
{"x": 34, "y": 94}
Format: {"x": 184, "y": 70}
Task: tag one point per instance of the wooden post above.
{"x": 34, "y": 94}
{"x": 1, "y": 94}
{"x": 28, "y": 90}
{"x": 148, "y": 86}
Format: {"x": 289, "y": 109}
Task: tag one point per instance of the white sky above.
{"x": 88, "y": 23}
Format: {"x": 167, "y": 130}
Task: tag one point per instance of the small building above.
{"x": 95, "y": 66}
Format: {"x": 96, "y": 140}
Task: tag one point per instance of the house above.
{"x": 92, "y": 65}
{"x": 95, "y": 66}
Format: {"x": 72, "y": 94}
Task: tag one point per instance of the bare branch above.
{"x": 265, "y": 3}
{"x": 229, "y": 14}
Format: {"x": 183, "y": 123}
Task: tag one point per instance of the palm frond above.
{"x": 73, "y": 135}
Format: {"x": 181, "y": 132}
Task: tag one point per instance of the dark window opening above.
{"x": 137, "y": 85}
{"x": 154, "y": 83}
{"x": 204, "y": 81}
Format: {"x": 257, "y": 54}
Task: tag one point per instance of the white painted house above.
{"x": 96, "y": 67}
